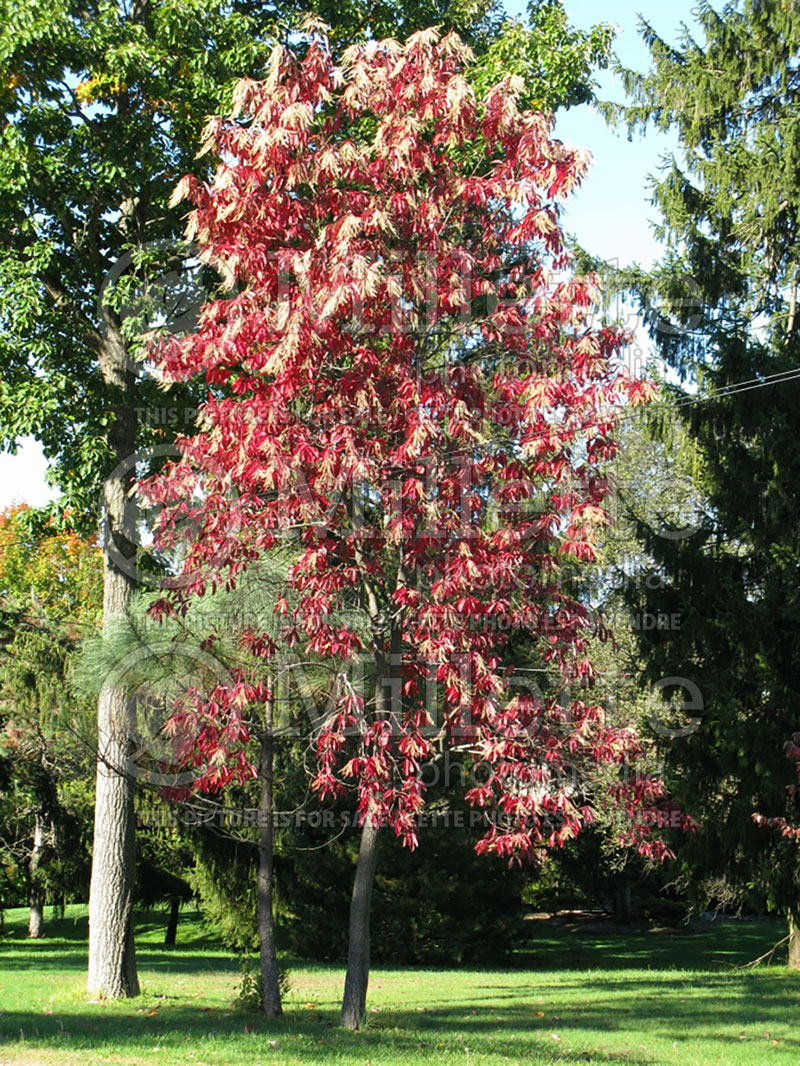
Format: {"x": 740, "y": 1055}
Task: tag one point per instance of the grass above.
{"x": 576, "y": 996}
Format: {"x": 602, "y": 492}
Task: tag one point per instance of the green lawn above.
{"x": 575, "y": 997}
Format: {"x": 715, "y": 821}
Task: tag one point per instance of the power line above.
{"x": 742, "y": 386}
{"x": 626, "y": 411}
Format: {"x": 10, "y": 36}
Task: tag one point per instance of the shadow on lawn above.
{"x": 316, "y": 1037}
{"x": 683, "y": 1005}
{"x": 65, "y": 946}
{"x": 725, "y": 1010}
{"x": 45, "y": 956}
{"x": 709, "y": 1007}
{"x": 554, "y": 946}
{"x": 398, "y": 1034}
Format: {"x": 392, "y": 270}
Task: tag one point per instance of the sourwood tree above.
{"x": 102, "y": 105}
{"x": 406, "y": 381}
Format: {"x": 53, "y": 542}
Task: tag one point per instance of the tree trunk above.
{"x": 354, "y": 1002}
{"x": 36, "y": 919}
{"x": 387, "y": 706}
{"x": 794, "y": 943}
{"x": 623, "y": 910}
{"x": 172, "y": 922}
{"x": 112, "y": 960}
{"x": 270, "y": 986}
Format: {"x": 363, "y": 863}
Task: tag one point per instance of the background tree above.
{"x": 50, "y": 593}
{"x": 726, "y": 290}
{"x": 102, "y": 106}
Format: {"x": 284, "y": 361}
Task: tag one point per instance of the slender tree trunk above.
{"x": 387, "y": 706}
{"x": 36, "y": 919}
{"x": 792, "y": 307}
{"x": 794, "y": 942}
{"x": 623, "y": 910}
{"x": 112, "y": 960}
{"x": 354, "y": 1001}
{"x": 172, "y": 922}
{"x": 270, "y": 986}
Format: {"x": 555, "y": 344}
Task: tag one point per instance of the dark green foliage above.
{"x": 440, "y": 904}
{"x": 443, "y": 904}
{"x": 164, "y": 862}
{"x": 590, "y": 874}
{"x": 727, "y": 290}
{"x": 224, "y": 881}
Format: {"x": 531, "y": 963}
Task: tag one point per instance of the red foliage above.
{"x": 407, "y": 377}
{"x": 783, "y": 825}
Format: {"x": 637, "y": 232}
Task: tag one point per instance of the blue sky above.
{"x": 610, "y": 214}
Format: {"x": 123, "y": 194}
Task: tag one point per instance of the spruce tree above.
{"x": 722, "y": 305}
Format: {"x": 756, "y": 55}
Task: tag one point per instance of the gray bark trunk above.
{"x": 172, "y": 922}
{"x": 794, "y": 943}
{"x": 36, "y": 919}
{"x": 354, "y": 1001}
{"x": 387, "y": 706}
{"x": 270, "y": 985}
{"x": 112, "y": 960}
{"x": 623, "y": 908}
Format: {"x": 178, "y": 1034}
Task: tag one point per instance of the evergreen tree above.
{"x": 727, "y": 293}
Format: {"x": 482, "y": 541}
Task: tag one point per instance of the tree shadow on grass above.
{"x": 556, "y": 946}
{"x": 315, "y": 1036}
{"x": 515, "y": 1022}
{"x": 65, "y": 946}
